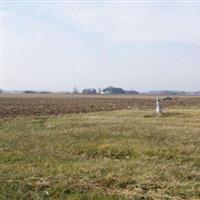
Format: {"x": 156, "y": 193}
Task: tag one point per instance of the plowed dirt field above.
{"x": 56, "y": 104}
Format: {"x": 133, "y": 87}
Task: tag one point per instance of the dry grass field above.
{"x": 60, "y": 147}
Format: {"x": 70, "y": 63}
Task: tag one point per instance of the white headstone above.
{"x": 158, "y": 107}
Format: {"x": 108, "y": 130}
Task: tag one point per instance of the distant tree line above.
{"x": 116, "y": 90}
{"x": 35, "y": 92}
{"x": 107, "y": 90}
{"x": 89, "y": 91}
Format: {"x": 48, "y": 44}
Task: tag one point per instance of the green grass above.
{"x": 106, "y": 155}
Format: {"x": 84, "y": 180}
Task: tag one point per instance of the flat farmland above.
{"x": 62, "y": 147}
{"x": 13, "y": 105}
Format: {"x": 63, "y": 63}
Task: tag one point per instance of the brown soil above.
{"x": 37, "y": 105}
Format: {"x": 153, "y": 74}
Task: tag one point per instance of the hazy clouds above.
{"x": 143, "y": 46}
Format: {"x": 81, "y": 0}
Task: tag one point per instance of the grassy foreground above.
{"x": 106, "y": 155}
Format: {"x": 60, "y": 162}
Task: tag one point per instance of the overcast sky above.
{"x": 142, "y": 46}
